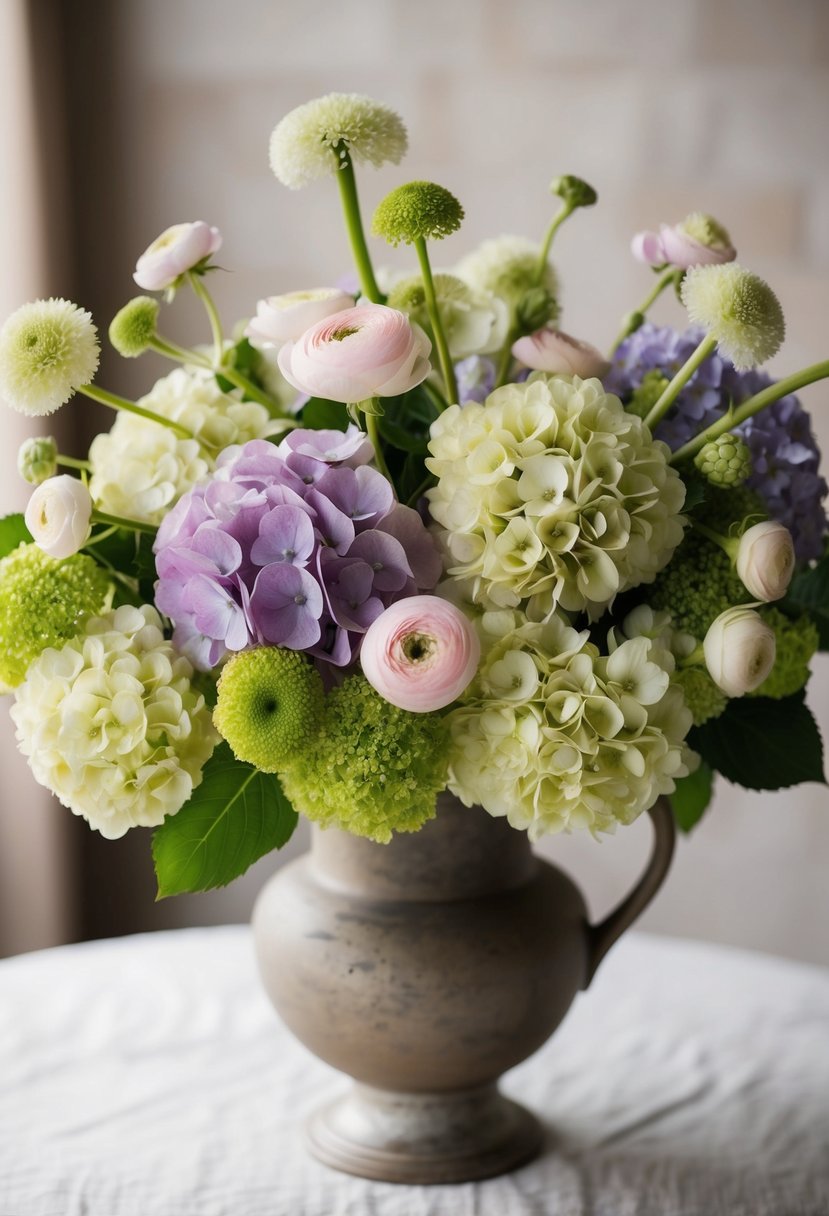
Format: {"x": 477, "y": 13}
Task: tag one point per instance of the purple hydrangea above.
{"x": 475, "y": 377}
{"x": 784, "y": 454}
{"x": 301, "y": 545}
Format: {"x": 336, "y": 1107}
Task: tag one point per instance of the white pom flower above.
{"x": 111, "y": 724}
{"x": 738, "y": 309}
{"x": 48, "y": 350}
{"x": 309, "y": 142}
{"x": 506, "y": 267}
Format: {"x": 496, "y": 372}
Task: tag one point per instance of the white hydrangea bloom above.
{"x": 555, "y": 736}
{"x": 551, "y": 494}
{"x": 111, "y": 724}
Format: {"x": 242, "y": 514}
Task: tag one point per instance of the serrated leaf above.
{"x": 763, "y": 744}
{"x": 13, "y": 532}
{"x": 237, "y": 815}
{"x": 691, "y": 797}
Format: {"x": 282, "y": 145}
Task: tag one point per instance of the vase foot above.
{"x": 423, "y": 1139}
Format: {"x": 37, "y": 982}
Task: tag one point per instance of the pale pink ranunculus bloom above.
{"x": 421, "y": 653}
{"x": 361, "y": 352}
{"x": 174, "y": 252}
{"x": 673, "y": 246}
{"x": 285, "y": 318}
{"x": 766, "y": 560}
{"x": 550, "y": 350}
{"x": 739, "y": 650}
{"x": 58, "y": 515}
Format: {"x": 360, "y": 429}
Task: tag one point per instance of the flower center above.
{"x": 418, "y": 646}
{"x": 345, "y": 331}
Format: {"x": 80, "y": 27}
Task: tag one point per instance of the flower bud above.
{"x": 549, "y": 350}
{"x": 725, "y": 461}
{"x": 58, "y": 515}
{"x": 177, "y": 250}
{"x": 573, "y": 191}
{"x": 535, "y": 308}
{"x": 766, "y": 560}
{"x": 133, "y": 327}
{"x": 37, "y": 459}
{"x": 697, "y": 241}
{"x": 739, "y": 650}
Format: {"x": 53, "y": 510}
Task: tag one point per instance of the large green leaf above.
{"x": 809, "y": 592}
{"x": 691, "y": 797}
{"x": 237, "y": 815}
{"x": 13, "y": 532}
{"x": 763, "y": 744}
{"x": 321, "y": 415}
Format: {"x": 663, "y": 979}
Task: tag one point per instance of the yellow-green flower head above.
{"x": 269, "y": 706}
{"x": 705, "y": 230}
{"x": 475, "y": 322}
{"x": 311, "y": 141}
{"x": 551, "y": 494}
{"x": 112, "y": 725}
{"x": 48, "y": 350}
{"x": 44, "y": 602}
{"x": 417, "y": 211}
{"x": 134, "y": 327}
{"x": 725, "y": 461}
{"x": 506, "y": 266}
{"x": 797, "y": 642}
{"x": 574, "y": 191}
{"x": 37, "y": 459}
{"x": 738, "y": 309}
{"x": 372, "y": 769}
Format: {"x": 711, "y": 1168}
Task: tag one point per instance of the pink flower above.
{"x": 420, "y": 653}
{"x": 362, "y": 352}
{"x": 176, "y": 251}
{"x": 285, "y": 318}
{"x": 696, "y": 241}
{"x": 58, "y": 515}
{"x": 550, "y": 350}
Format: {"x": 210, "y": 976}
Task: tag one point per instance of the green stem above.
{"x": 197, "y": 283}
{"x": 69, "y": 462}
{"x": 420, "y": 491}
{"x": 118, "y": 521}
{"x": 444, "y": 358}
{"x": 505, "y": 361}
{"x": 354, "y": 225}
{"x": 728, "y": 544}
{"x": 556, "y": 222}
{"x": 105, "y": 535}
{"x": 180, "y": 354}
{"x": 247, "y": 386}
{"x": 680, "y": 380}
{"x": 636, "y": 318}
{"x": 373, "y": 432}
{"x": 104, "y": 397}
{"x": 436, "y": 396}
{"x": 791, "y": 384}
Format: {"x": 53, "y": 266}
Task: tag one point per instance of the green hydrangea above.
{"x": 797, "y": 641}
{"x": 645, "y": 397}
{"x": 373, "y": 769}
{"x": 269, "y": 704}
{"x": 44, "y": 602}
{"x": 702, "y": 696}
{"x": 725, "y": 461}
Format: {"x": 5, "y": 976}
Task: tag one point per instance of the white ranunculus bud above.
{"x": 739, "y": 651}
{"x": 58, "y": 515}
{"x": 765, "y": 560}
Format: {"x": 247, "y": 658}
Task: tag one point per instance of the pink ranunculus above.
{"x": 674, "y": 246}
{"x": 421, "y": 653}
{"x": 362, "y": 352}
{"x": 285, "y": 318}
{"x": 176, "y": 251}
{"x": 58, "y": 515}
{"x": 550, "y": 350}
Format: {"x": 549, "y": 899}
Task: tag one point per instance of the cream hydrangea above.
{"x": 141, "y": 469}
{"x": 506, "y": 266}
{"x": 475, "y": 322}
{"x": 111, "y": 724}
{"x": 555, "y": 736}
{"x": 551, "y": 494}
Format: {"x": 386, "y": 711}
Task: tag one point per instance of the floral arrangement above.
{"x": 404, "y": 534}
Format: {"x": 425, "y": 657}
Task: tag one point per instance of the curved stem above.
{"x": 354, "y": 225}
{"x": 505, "y": 361}
{"x": 104, "y": 397}
{"x": 118, "y": 521}
{"x": 247, "y": 386}
{"x": 373, "y": 432}
{"x": 180, "y": 354}
{"x": 679, "y": 381}
{"x": 197, "y": 283}
{"x": 444, "y": 358}
{"x": 816, "y": 371}
{"x": 635, "y": 319}
{"x": 556, "y": 222}
{"x": 69, "y": 462}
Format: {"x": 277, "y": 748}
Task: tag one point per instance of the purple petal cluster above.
{"x": 785, "y": 456}
{"x": 301, "y": 545}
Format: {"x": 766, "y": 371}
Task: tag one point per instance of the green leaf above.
{"x": 763, "y": 744}
{"x": 237, "y": 815}
{"x": 691, "y": 797}
{"x": 244, "y": 358}
{"x": 694, "y": 493}
{"x": 13, "y": 532}
{"x": 809, "y": 592}
{"x": 322, "y": 415}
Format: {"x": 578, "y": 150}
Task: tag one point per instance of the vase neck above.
{"x": 462, "y": 853}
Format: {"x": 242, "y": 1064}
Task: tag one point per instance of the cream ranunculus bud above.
{"x": 58, "y": 515}
{"x": 37, "y": 459}
{"x": 739, "y": 651}
{"x": 765, "y": 560}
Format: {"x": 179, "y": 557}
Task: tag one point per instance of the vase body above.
{"x": 424, "y": 969}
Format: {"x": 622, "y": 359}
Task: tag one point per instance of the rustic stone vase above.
{"x": 424, "y": 969}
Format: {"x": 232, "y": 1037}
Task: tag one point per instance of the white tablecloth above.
{"x": 148, "y": 1076}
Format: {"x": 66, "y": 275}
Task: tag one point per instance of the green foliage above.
{"x": 13, "y": 532}
{"x": 809, "y": 593}
{"x": 763, "y": 744}
{"x": 691, "y": 797}
{"x": 319, "y": 414}
{"x": 243, "y": 358}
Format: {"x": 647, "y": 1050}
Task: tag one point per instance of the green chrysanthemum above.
{"x": 797, "y": 641}
{"x": 310, "y": 141}
{"x": 739, "y": 310}
{"x": 133, "y": 328}
{"x": 417, "y": 211}
{"x": 373, "y": 769}
{"x": 48, "y": 350}
{"x": 44, "y": 602}
{"x": 702, "y": 696}
{"x": 269, "y": 706}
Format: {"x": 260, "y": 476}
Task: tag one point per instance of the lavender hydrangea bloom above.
{"x": 785, "y": 456}
{"x": 300, "y": 545}
{"x": 475, "y": 377}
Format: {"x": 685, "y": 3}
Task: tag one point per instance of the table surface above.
{"x": 149, "y": 1076}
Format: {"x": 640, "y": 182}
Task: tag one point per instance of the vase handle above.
{"x": 603, "y": 935}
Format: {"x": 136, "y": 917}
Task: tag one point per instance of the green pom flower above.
{"x": 725, "y": 461}
{"x": 573, "y": 191}
{"x": 48, "y": 350}
{"x": 797, "y": 641}
{"x": 702, "y": 696}
{"x": 373, "y": 769}
{"x": 133, "y": 328}
{"x": 44, "y": 602}
{"x": 739, "y": 310}
{"x": 418, "y": 211}
{"x": 311, "y": 141}
{"x": 37, "y": 459}
{"x": 269, "y": 705}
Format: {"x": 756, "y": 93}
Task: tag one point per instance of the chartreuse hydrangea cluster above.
{"x": 269, "y": 706}
{"x": 112, "y": 724}
{"x": 372, "y": 769}
{"x": 552, "y": 495}
{"x": 44, "y": 602}
{"x": 797, "y": 642}
{"x": 555, "y": 735}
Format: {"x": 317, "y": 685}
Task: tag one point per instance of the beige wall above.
{"x": 719, "y": 105}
